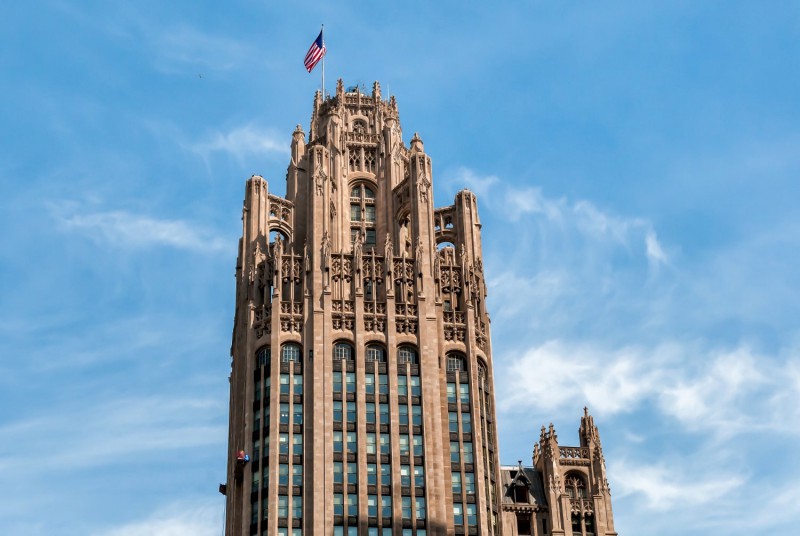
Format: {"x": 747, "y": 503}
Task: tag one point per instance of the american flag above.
{"x": 314, "y": 53}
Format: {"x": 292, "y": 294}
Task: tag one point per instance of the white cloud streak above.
{"x": 581, "y": 217}
{"x": 241, "y": 142}
{"x": 111, "y": 432}
{"x": 179, "y": 519}
{"x": 184, "y": 47}
{"x": 722, "y": 392}
{"x": 127, "y": 230}
{"x": 666, "y": 488}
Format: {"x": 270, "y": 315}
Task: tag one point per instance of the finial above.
{"x": 416, "y": 143}
{"x": 376, "y": 90}
{"x": 585, "y": 411}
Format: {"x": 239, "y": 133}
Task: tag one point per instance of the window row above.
{"x": 465, "y": 512}
{"x": 343, "y": 351}
{"x": 285, "y": 504}
{"x": 410, "y": 507}
{"x": 285, "y": 416}
{"x": 290, "y": 353}
{"x": 375, "y": 531}
{"x": 345, "y": 382}
{"x": 347, "y": 473}
{"x": 463, "y": 485}
{"x": 461, "y": 453}
{"x": 285, "y": 477}
{"x": 289, "y": 384}
{"x": 346, "y": 412}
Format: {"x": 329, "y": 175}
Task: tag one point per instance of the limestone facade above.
{"x": 361, "y": 382}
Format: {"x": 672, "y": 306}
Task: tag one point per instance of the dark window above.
{"x": 523, "y": 524}
{"x": 263, "y": 356}
{"x": 520, "y": 493}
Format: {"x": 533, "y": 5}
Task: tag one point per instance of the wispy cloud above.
{"x": 665, "y": 488}
{"x": 183, "y": 47}
{"x": 597, "y": 229}
{"x": 112, "y": 432}
{"x": 720, "y": 392}
{"x": 177, "y": 519}
{"x": 240, "y": 142}
{"x": 124, "y": 229}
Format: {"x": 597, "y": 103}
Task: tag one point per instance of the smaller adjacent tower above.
{"x": 565, "y": 493}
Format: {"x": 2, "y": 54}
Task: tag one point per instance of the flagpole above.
{"x": 323, "y": 62}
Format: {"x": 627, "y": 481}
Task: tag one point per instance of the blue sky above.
{"x": 637, "y": 170}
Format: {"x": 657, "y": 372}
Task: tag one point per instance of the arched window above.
{"x": 575, "y": 486}
{"x": 376, "y": 353}
{"x": 483, "y": 376}
{"x": 290, "y": 353}
{"x": 263, "y": 357}
{"x": 342, "y": 351}
{"x": 407, "y": 354}
{"x": 456, "y": 363}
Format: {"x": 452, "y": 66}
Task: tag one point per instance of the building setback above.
{"x": 362, "y": 398}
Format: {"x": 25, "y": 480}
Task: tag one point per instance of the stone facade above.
{"x": 564, "y": 493}
{"x": 362, "y": 396}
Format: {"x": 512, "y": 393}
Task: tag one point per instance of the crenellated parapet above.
{"x": 574, "y": 497}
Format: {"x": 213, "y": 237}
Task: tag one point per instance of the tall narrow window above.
{"x": 362, "y": 215}
{"x": 263, "y": 357}
{"x": 283, "y": 506}
{"x": 456, "y": 479}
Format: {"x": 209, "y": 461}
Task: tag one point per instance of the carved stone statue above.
{"x": 388, "y": 248}
{"x": 326, "y": 251}
{"x": 418, "y": 252}
{"x": 358, "y": 246}
{"x": 405, "y": 237}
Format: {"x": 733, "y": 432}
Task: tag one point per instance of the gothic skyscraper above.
{"x": 362, "y": 396}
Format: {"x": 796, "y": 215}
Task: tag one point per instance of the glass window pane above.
{"x": 463, "y": 390}
{"x": 451, "y": 393}
{"x": 467, "y": 452}
{"x": 455, "y": 452}
{"x": 297, "y": 414}
{"x": 456, "y": 479}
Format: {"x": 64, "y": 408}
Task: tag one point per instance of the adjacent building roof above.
{"x": 512, "y": 476}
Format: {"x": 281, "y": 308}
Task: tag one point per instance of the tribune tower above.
{"x": 361, "y": 384}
